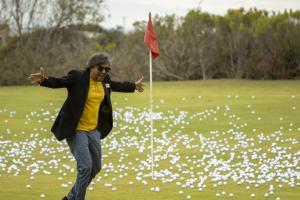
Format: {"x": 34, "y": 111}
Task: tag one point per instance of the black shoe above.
{"x": 65, "y": 198}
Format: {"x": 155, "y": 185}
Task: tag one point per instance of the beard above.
{"x": 100, "y": 77}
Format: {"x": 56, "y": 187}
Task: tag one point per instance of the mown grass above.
{"x": 265, "y": 106}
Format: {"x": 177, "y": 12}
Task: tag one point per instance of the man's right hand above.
{"x": 38, "y": 77}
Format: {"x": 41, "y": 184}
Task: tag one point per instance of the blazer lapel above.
{"x": 107, "y": 93}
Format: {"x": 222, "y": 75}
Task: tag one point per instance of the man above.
{"x": 86, "y": 115}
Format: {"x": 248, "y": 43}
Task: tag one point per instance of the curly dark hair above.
{"x": 99, "y": 59}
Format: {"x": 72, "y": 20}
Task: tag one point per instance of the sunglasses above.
{"x": 101, "y": 68}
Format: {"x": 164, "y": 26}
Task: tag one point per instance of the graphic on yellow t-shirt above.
{"x": 89, "y": 118}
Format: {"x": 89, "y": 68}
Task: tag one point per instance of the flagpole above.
{"x": 151, "y": 117}
{"x": 151, "y": 40}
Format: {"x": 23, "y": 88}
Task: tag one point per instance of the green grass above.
{"x": 225, "y": 112}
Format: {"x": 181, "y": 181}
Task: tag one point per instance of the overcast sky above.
{"x": 125, "y": 12}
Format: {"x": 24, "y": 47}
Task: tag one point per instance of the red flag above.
{"x": 150, "y": 39}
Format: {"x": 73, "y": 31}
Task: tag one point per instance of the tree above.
{"x": 43, "y": 34}
{"x": 28, "y": 15}
{"x": 202, "y": 46}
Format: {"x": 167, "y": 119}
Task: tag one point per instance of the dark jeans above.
{"x": 86, "y": 149}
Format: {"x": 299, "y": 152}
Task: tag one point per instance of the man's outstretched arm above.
{"x": 126, "y": 86}
{"x": 52, "y": 82}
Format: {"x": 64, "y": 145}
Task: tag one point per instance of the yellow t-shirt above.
{"x": 89, "y": 118}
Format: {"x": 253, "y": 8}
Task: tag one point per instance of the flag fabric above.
{"x": 150, "y": 38}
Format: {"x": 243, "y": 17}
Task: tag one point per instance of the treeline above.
{"x": 244, "y": 44}
{"x": 57, "y": 34}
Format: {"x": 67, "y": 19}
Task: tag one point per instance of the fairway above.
{"x": 218, "y": 139}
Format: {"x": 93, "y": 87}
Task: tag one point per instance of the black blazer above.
{"x": 77, "y": 84}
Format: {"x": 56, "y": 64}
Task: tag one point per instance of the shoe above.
{"x": 65, "y": 198}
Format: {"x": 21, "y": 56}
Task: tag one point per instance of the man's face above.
{"x": 98, "y": 73}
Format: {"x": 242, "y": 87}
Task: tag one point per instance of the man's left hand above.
{"x": 139, "y": 86}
